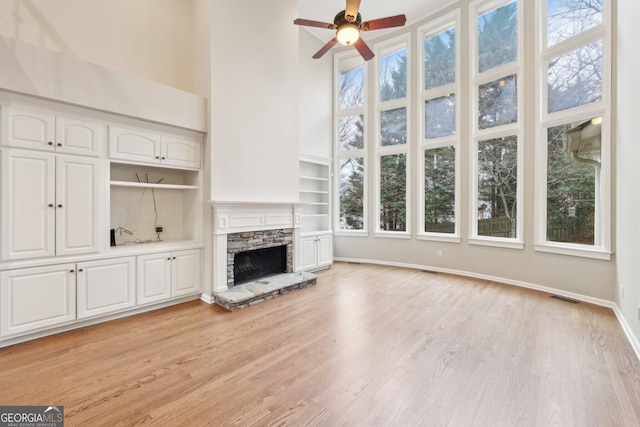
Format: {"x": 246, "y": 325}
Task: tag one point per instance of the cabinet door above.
{"x": 37, "y": 298}
{"x": 181, "y": 152}
{"x": 134, "y": 145}
{"x": 185, "y": 273}
{"x": 105, "y": 286}
{"x": 77, "y": 136}
{"x": 325, "y": 250}
{"x": 29, "y": 128}
{"x": 28, "y": 204}
{"x": 154, "y": 278}
{"x": 308, "y": 252}
{"x": 77, "y": 205}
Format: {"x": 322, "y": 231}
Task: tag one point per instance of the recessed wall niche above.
{"x": 145, "y": 198}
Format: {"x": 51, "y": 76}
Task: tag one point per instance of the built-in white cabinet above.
{"x": 137, "y": 145}
{"x": 67, "y": 178}
{"x": 168, "y": 274}
{"x": 315, "y": 248}
{"x": 43, "y": 130}
{"x": 105, "y": 286}
{"x": 50, "y": 204}
{"x": 317, "y": 251}
{"x": 37, "y": 298}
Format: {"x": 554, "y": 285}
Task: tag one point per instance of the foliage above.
{"x": 440, "y": 59}
{"x": 352, "y": 194}
{"x": 440, "y": 187}
{"x": 497, "y": 37}
{"x": 498, "y": 179}
{"x": 570, "y": 192}
{"x": 393, "y": 192}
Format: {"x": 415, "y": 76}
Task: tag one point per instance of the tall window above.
{"x": 574, "y": 149}
{"x": 392, "y": 146}
{"x": 496, "y": 129}
{"x": 351, "y": 147}
{"x": 439, "y": 139}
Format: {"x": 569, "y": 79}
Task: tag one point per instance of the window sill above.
{"x": 393, "y": 234}
{"x": 351, "y": 233}
{"x": 574, "y": 250}
{"x": 498, "y": 243}
{"x": 439, "y": 237}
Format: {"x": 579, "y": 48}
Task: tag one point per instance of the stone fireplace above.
{"x": 248, "y": 226}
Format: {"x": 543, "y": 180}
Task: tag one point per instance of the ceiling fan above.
{"x": 348, "y": 25}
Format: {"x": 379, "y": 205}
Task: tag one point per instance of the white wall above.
{"x": 316, "y": 98}
{"x": 150, "y": 39}
{"x": 628, "y": 158}
{"x": 254, "y": 101}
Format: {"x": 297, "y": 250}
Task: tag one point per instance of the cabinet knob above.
{"x": 157, "y": 157}
{"x": 174, "y": 257}
{"x": 163, "y": 157}
{"x": 60, "y": 206}
{"x": 80, "y": 270}
{"x": 50, "y": 142}
{"x": 50, "y": 205}
{"x": 169, "y": 259}
{"x": 59, "y": 144}
{"x": 71, "y": 271}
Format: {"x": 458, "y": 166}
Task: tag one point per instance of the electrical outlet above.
{"x": 639, "y": 312}
{"x": 439, "y": 253}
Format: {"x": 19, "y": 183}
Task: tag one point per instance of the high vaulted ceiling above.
{"x": 326, "y": 10}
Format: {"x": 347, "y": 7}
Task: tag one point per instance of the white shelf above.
{"x": 314, "y": 178}
{"x": 314, "y": 191}
{"x": 152, "y": 185}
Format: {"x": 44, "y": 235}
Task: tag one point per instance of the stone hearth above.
{"x": 248, "y": 294}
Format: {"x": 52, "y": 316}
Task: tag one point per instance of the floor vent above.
{"x": 565, "y": 299}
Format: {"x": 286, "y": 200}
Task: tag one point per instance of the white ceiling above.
{"x": 326, "y": 10}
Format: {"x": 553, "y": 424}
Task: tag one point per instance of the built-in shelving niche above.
{"x": 146, "y": 197}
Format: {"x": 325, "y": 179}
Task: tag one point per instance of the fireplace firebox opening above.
{"x": 259, "y": 263}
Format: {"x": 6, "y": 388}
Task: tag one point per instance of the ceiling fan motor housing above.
{"x": 341, "y": 19}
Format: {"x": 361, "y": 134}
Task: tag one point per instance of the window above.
{"x": 496, "y": 217}
{"x": 392, "y": 146}
{"x": 573, "y": 173}
{"x": 351, "y": 144}
{"x": 439, "y": 139}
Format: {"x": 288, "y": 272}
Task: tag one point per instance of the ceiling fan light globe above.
{"x": 348, "y": 34}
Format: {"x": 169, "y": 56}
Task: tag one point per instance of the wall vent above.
{"x": 565, "y": 299}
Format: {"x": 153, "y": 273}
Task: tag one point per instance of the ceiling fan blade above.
{"x": 325, "y": 48}
{"x": 309, "y": 23}
{"x": 364, "y": 50}
{"x": 351, "y": 11}
{"x": 388, "y": 22}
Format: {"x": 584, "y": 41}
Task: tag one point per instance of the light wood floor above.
{"x": 367, "y": 346}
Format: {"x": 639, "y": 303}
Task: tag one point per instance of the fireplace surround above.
{"x": 263, "y": 224}
{"x": 250, "y": 249}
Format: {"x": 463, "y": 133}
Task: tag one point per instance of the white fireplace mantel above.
{"x": 238, "y": 216}
{"x": 235, "y": 217}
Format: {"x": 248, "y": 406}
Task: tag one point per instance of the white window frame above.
{"x": 350, "y": 154}
{"x": 443, "y": 23}
{"x": 381, "y": 50}
{"x": 476, "y": 9}
{"x": 601, "y": 249}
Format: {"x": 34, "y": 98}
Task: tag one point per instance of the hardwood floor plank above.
{"x": 368, "y": 345}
